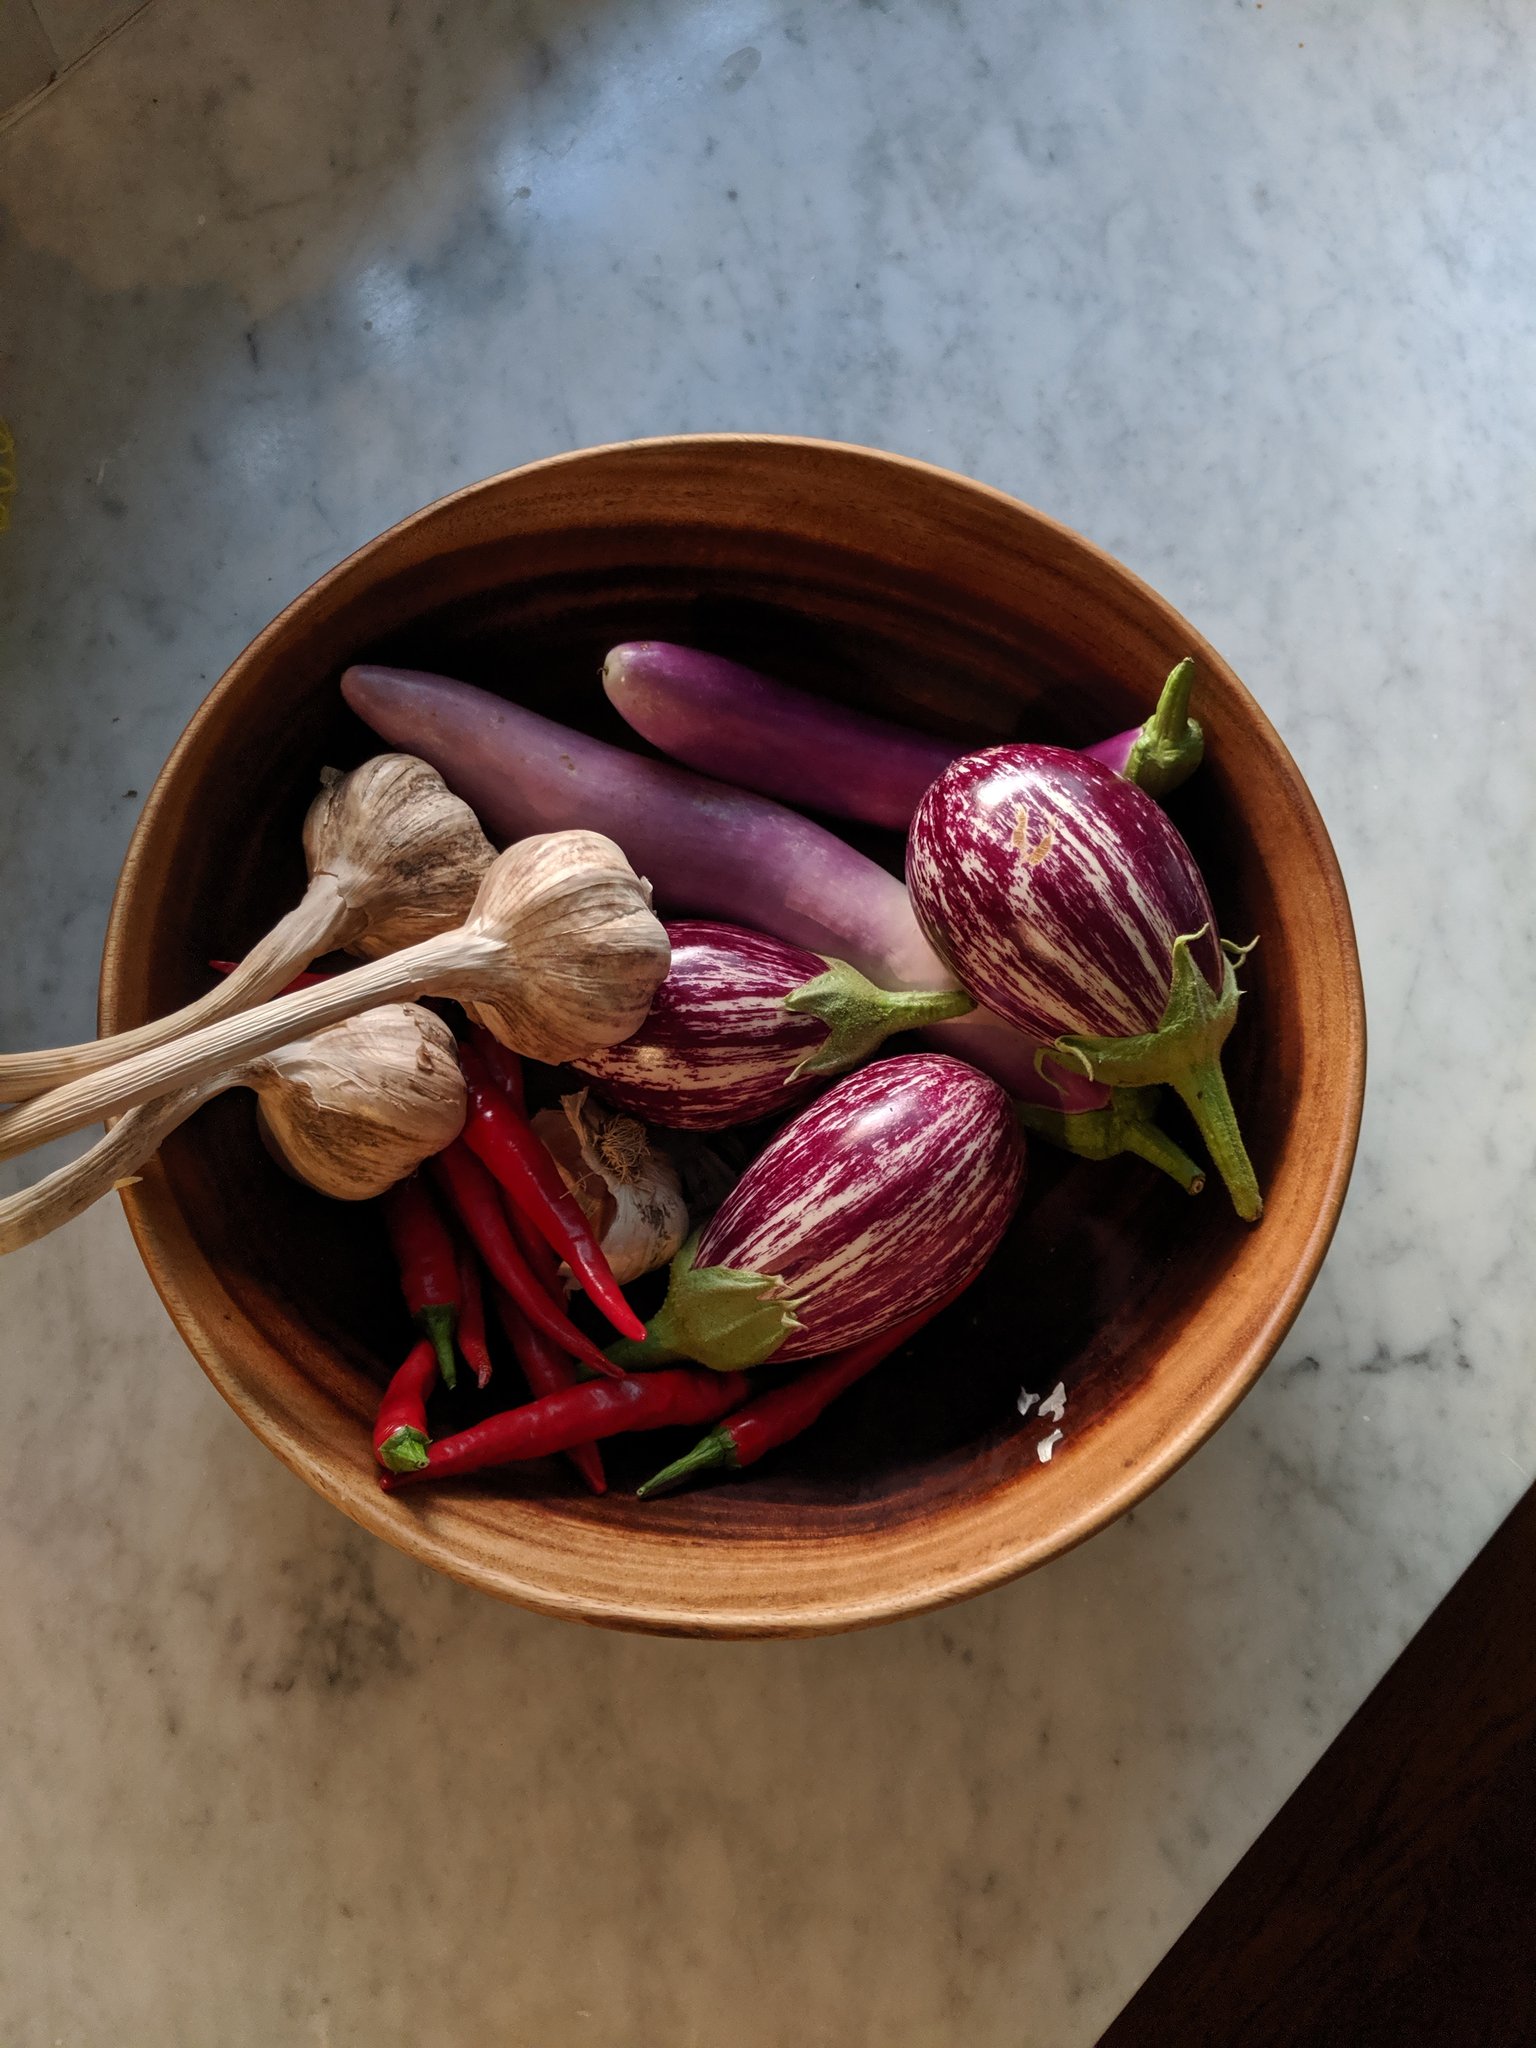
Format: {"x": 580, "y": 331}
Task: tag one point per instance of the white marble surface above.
{"x": 1242, "y": 292}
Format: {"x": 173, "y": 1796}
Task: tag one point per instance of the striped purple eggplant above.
{"x": 745, "y": 1025}
{"x": 890, "y": 1192}
{"x": 720, "y": 852}
{"x": 1064, "y": 900}
{"x": 750, "y": 730}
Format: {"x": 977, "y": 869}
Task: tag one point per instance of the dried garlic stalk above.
{"x": 393, "y": 857}
{"x": 561, "y": 953}
{"x": 351, "y": 1110}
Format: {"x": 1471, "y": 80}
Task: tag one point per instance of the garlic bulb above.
{"x": 560, "y": 955}
{"x": 362, "y": 1103}
{"x": 627, "y": 1189}
{"x": 404, "y": 854}
{"x": 393, "y": 857}
{"x": 351, "y": 1110}
{"x": 590, "y": 952}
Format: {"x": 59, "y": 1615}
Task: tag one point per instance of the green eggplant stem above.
{"x": 1147, "y": 1141}
{"x": 1185, "y": 1052}
{"x": 1125, "y": 1125}
{"x": 650, "y": 1351}
{"x": 860, "y": 1017}
{"x": 1202, "y": 1089}
{"x": 1171, "y": 745}
{"x": 714, "y": 1315}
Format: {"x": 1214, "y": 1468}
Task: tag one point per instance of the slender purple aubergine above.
{"x": 1065, "y": 901}
{"x": 718, "y": 851}
{"x": 726, "y": 720}
{"x": 892, "y": 1190}
{"x": 745, "y": 1025}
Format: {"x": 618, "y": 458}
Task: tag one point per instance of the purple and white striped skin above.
{"x": 745, "y": 1025}
{"x": 719, "y": 1047}
{"x": 710, "y": 849}
{"x": 1067, "y": 903}
{"x": 1055, "y": 889}
{"x": 726, "y": 720}
{"x": 891, "y": 1191}
{"x": 705, "y": 848}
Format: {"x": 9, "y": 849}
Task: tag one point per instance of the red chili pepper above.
{"x": 783, "y": 1412}
{"x": 472, "y": 1317}
{"x": 400, "y": 1435}
{"x": 546, "y": 1367}
{"x": 429, "y": 1269}
{"x": 508, "y": 1144}
{"x": 548, "y": 1371}
{"x": 476, "y": 1201}
{"x": 506, "y": 1068}
{"x": 307, "y": 980}
{"x": 580, "y": 1415}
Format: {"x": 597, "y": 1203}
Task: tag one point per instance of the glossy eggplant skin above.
{"x": 719, "y": 1047}
{"x": 1054, "y": 889}
{"x": 892, "y": 1190}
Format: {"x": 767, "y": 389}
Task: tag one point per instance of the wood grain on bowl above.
{"x": 883, "y": 583}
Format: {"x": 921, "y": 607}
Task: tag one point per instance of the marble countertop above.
{"x": 1244, "y": 294}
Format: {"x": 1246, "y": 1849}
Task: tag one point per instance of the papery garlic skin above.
{"x": 394, "y": 857}
{"x": 627, "y": 1187}
{"x": 590, "y": 952}
{"x": 360, "y": 1104}
{"x": 406, "y": 855}
{"x": 350, "y": 1109}
{"x": 560, "y": 955}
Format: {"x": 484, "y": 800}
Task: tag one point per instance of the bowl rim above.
{"x": 163, "y": 1242}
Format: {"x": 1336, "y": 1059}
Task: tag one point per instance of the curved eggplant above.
{"x": 726, "y": 720}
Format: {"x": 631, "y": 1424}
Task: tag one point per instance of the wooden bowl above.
{"x": 888, "y": 584}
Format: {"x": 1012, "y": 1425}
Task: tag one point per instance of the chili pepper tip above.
{"x": 404, "y": 1450}
{"x": 625, "y": 1321}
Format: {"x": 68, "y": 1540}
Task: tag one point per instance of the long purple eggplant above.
{"x": 745, "y": 1025}
{"x": 704, "y": 847}
{"x": 715, "y": 715}
{"x": 1066, "y": 902}
{"x": 890, "y": 1192}
{"x": 720, "y": 852}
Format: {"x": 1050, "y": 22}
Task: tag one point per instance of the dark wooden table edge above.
{"x": 1392, "y": 1900}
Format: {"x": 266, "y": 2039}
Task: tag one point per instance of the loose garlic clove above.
{"x": 361, "y": 1104}
{"x": 626, "y": 1187}
{"x": 394, "y": 857}
{"x": 350, "y": 1110}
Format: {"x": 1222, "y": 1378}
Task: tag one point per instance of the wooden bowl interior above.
{"x": 875, "y": 583}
